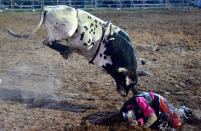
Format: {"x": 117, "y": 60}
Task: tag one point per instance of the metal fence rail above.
{"x": 95, "y": 4}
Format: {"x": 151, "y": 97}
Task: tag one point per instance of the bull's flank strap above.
{"x": 104, "y": 27}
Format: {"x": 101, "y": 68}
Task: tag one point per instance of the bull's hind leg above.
{"x": 64, "y": 50}
{"x": 47, "y": 41}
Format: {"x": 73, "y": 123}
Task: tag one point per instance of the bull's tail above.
{"x": 28, "y": 34}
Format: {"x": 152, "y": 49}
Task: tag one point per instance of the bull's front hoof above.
{"x": 122, "y": 91}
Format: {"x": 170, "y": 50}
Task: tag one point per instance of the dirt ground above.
{"x": 39, "y": 90}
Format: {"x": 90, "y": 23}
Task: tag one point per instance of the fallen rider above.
{"x": 152, "y": 110}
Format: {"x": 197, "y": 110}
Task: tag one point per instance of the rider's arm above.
{"x": 151, "y": 119}
{"x": 147, "y": 111}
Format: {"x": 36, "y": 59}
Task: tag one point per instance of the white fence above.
{"x": 94, "y": 4}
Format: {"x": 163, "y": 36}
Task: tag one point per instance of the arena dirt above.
{"x": 39, "y": 90}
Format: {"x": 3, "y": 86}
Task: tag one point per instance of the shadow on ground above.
{"x": 107, "y": 121}
{"x": 44, "y": 101}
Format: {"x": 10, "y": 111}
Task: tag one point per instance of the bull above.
{"x": 102, "y": 43}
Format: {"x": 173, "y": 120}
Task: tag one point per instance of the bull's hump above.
{"x": 89, "y": 28}
{"x": 83, "y": 15}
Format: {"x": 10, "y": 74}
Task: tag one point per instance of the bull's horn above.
{"x": 29, "y": 34}
{"x": 122, "y": 70}
{"x": 143, "y": 73}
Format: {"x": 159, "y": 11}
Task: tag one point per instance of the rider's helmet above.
{"x": 174, "y": 119}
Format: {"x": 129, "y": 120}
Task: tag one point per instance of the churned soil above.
{"x": 39, "y": 90}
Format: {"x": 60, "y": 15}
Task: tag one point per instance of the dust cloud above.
{"x": 25, "y": 84}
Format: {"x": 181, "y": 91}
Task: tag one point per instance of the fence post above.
{"x": 143, "y": 6}
{"x": 11, "y": 5}
{"x": 120, "y": 4}
{"x": 131, "y": 3}
{"x": 166, "y": 3}
{"x": 69, "y": 2}
{"x": 32, "y": 5}
{"x": 42, "y": 4}
{"x": 181, "y": 3}
{"x": 95, "y": 4}
{"x": 0, "y": 5}
{"x": 188, "y": 4}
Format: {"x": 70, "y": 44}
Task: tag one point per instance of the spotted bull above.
{"x": 101, "y": 42}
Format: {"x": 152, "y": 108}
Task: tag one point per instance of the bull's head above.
{"x": 128, "y": 81}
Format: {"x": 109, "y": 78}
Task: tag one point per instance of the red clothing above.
{"x": 142, "y": 102}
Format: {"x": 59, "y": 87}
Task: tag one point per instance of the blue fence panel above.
{"x": 128, "y": 4}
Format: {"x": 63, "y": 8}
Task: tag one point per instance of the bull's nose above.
{"x": 123, "y": 93}
{"x": 121, "y": 90}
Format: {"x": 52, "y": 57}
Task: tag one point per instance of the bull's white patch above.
{"x": 128, "y": 81}
{"x": 65, "y": 16}
{"x": 99, "y": 60}
{"x": 102, "y": 62}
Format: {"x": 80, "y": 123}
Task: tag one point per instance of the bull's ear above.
{"x": 143, "y": 73}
